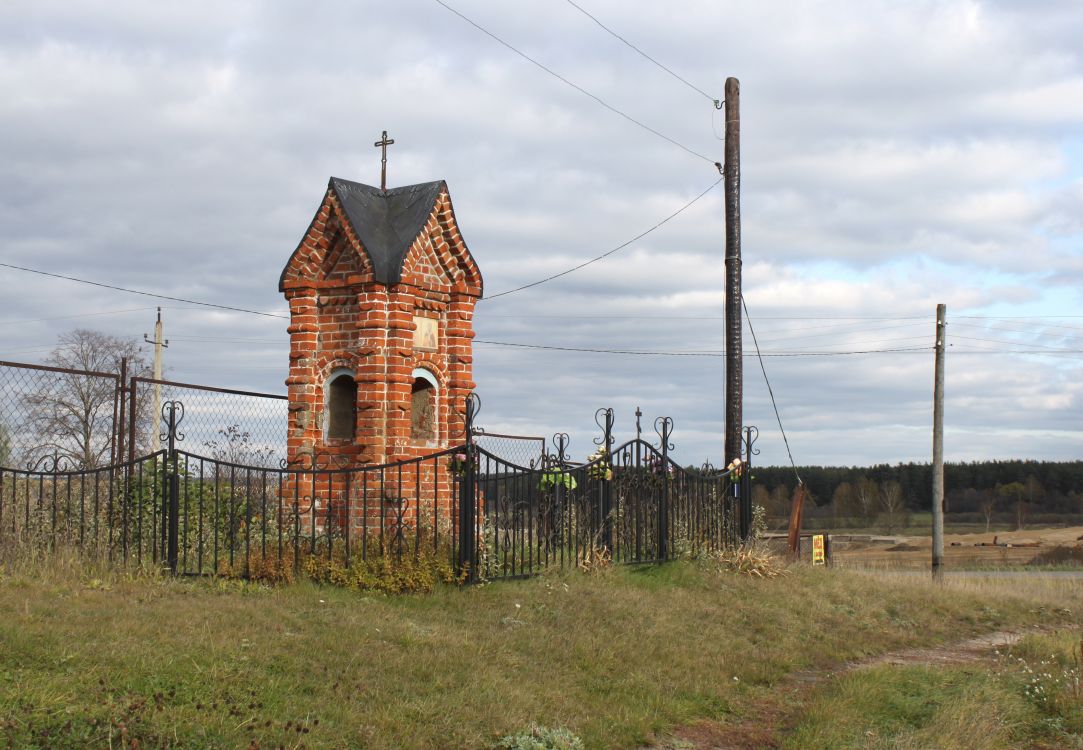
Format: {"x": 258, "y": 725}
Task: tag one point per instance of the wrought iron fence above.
{"x": 194, "y": 513}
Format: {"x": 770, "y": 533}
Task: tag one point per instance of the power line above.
{"x": 70, "y": 317}
{"x": 577, "y": 87}
{"x": 770, "y": 390}
{"x": 145, "y": 294}
{"x": 1002, "y": 341}
{"x": 698, "y": 90}
{"x": 1015, "y": 317}
{"x": 623, "y": 245}
{"x": 655, "y": 353}
{"x": 1016, "y": 351}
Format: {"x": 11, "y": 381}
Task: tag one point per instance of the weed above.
{"x": 541, "y": 738}
{"x": 1050, "y": 682}
{"x": 749, "y": 559}
{"x": 411, "y": 573}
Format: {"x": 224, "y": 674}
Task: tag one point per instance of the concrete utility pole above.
{"x": 159, "y": 344}
{"x": 732, "y": 175}
{"x": 938, "y": 446}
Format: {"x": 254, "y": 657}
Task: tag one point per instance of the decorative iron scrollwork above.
{"x": 604, "y": 419}
{"x": 172, "y": 415}
{"x": 560, "y": 442}
{"x": 663, "y": 428}
{"x": 752, "y": 434}
{"x": 470, "y": 412}
{"x": 54, "y": 463}
{"x": 311, "y": 462}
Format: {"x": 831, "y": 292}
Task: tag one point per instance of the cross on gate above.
{"x": 383, "y": 143}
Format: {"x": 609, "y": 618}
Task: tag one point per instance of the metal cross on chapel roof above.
{"x": 383, "y": 143}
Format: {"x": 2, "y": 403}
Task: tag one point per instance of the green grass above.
{"x": 1028, "y": 698}
{"x": 91, "y": 659}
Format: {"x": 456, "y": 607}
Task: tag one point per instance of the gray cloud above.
{"x": 894, "y": 156}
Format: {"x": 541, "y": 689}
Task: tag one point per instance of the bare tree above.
{"x": 866, "y": 491}
{"x": 891, "y": 500}
{"x": 1016, "y": 494}
{"x": 844, "y": 502}
{"x": 779, "y": 506}
{"x": 988, "y": 505}
{"x": 72, "y": 414}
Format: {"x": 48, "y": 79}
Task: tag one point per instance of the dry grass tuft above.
{"x": 750, "y": 560}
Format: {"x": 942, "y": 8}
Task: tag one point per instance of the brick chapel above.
{"x": 381, "y": 292}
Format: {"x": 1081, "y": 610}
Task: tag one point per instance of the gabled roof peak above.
{"x": 386, "y": 222}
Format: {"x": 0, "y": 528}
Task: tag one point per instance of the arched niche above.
{"x": 423, "y": 407}
{"x": 341, "y": 405}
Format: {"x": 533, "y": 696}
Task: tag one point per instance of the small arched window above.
{"x": 341, "y": 406}
{"x": 423, "y": 407}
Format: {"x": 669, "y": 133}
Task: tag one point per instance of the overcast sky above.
{"x": 895, "y": 155}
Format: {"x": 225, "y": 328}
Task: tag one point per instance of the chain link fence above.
{"x": 522, "y": 450}
{"x": 232, "y": 426}
{"x": 92, "y": 419}
{"x": 54, "y": 413}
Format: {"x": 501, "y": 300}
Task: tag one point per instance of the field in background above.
{"x": 618, "y": 657}
{"x": 962, "y": 550}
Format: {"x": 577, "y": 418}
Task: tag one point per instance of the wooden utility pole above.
{"x": 732, "y": 176}
{"x": 159, "y": 344}
{"x": 938, "y": 446}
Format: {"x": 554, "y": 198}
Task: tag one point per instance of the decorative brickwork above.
{"x": 352, "y": 311}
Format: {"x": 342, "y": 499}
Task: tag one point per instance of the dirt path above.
{"x": 768, "y": 723}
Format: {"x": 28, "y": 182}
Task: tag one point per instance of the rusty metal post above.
{"x": 732, "y": 176}
{"x": 132, "y": 393}
{"x": 116, "y": 454}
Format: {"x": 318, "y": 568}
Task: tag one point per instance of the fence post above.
{"x": 132, "y": 403}
{"x": 116, "y": 452}
{"x": 173, "y": 412}
{"x": 745, "y": 487}
{"x": 664, "y": 427}
{"x": 604, "y": 525}
{"x": 468, "y": 492}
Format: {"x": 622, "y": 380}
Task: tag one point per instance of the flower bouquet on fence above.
{"x": 656, "y": 465}
{"x": 555, "y": 476}
{"x": 460, "y": 462}
{"x": 598, "y": 461}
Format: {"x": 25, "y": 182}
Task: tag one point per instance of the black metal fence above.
{"x": 195, "y": 513}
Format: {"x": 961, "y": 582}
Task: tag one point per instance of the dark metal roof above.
{"x": 387, "y": 223}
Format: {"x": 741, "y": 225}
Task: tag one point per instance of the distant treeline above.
{"x": 981, "y": 488}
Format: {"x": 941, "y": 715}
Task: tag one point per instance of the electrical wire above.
{"x": 577, "y": 87}
{"x": 1001, "y": 341}
{"x": 70, "y": 317}
{"x": 621, "y": 246}
{"x": 698, "y": 90}
{"x": 145, "y": 294}
{"x": 770, "y": 390}
{"x": 656, "y": 353}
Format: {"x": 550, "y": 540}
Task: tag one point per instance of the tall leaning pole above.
{"x": 734, "y": 365}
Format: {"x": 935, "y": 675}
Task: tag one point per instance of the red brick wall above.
{"x": 342, "y": 318}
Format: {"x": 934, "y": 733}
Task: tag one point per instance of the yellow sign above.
{"x": 818, "y": 549}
